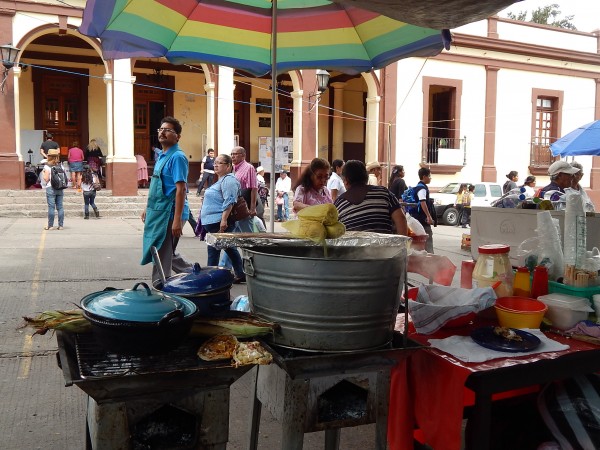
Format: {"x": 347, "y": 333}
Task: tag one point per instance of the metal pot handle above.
{"x": 248, "y": 266}
{"x": 148, "y": 291}
{"x": 171, "y": 318}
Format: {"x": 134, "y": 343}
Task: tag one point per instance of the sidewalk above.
{"x": 43, "y": 270}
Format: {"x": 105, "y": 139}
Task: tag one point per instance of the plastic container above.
{"x": 520, "y": 312}
{"x": 522, "y": 282}
{"x": 493, "y": 265}
{"x": 564, "y": 311}
{"x": 539, "y": 285}
{"x": 559, "y": 288}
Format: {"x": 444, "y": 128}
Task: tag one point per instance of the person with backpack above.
{"x": 424, "y": 211}
{"x": 89, "y": 183}
{"x": 54, "y": 182}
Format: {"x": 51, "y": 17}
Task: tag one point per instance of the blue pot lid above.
{"x": 199, "y": 281}
{"x": 135, "y": 305}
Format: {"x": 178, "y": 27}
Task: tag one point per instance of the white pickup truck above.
{"x": 443, "y": 200}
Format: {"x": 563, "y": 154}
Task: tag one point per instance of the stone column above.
{"x": 109, "y": 117}
{"x": 337, "y": 151}
{"x": 488, "y": 171}
{"x": 297, "y": 97}
{"x": 210, "y": 115}
{"x": 12, "y": 170}
{"x": 122, "y": 167}
{"x": 372, "y": 129}
{"x": 594, "y": 193}
{"x": 225, "y": 111}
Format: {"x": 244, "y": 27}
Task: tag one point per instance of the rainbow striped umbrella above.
{"x": 310, "y": 34}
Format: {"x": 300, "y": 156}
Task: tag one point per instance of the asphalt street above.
{"x": 45, "y": 270}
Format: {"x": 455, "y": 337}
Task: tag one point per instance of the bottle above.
{"x": 466, "y": 274}
{"x": 539, "y": 286}
{"x": 493, "y": 265}
{"x": 522, "y": 283}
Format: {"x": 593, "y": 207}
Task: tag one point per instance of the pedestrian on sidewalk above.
{"x": 54, "y": 197}
{"x": 283, "y": 186}
{"x": 89, "y": 180}
{"x": 207, "y": 171}
{"x": 75, "y": 159}
{"x": 468, "y": 196}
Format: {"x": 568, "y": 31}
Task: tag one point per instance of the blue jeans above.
{"x": 286, "y": 207}
{"x": 213, "y": 253}
{"x": 88, "y": 199}
{"x": 55, "y": 202}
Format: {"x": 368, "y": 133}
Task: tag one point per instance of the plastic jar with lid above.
{"x": 522, "y": 283}
{"x": 492, "y": 266}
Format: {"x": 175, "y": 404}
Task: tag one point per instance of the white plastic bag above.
{"x": 415, "y": 226}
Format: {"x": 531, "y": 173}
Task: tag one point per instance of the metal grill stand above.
{"x": 324, "y": 392}
{"x": 170, "y": 401}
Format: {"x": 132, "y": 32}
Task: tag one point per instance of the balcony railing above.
{"x": 445, "y": 151}
{"x": 540, "y": 154}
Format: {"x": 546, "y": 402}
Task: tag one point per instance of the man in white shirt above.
{"x": 284, "y": 185}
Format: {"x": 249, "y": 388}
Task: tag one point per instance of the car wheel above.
{"x": 450, "y": 216}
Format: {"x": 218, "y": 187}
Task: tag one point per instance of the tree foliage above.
{"x": 545, "y": 15}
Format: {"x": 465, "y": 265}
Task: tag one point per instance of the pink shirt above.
{"x": 312, "y": 197}
{"x": 75, "y": 154}
{"x": 246, "y": 175}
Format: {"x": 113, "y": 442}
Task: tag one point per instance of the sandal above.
{"x": 47, "y": 227}
{"x": 59, "y": 227}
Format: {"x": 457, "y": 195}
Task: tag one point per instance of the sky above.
{"x": 586, "y": 12}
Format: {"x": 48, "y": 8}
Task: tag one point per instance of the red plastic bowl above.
{"x": 520, "y": 304}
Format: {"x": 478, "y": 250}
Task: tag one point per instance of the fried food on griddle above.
{"x": 219, "y": 347}
{"x": 251, "y": 353}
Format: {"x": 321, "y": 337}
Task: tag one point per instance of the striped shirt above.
{"x": 373, "y": 214}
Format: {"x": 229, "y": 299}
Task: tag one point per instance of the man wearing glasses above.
{"x": 167, "y": 209}
{"x": 246, "y": 175}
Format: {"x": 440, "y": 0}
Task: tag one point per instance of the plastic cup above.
{"x": 596, "y": 301}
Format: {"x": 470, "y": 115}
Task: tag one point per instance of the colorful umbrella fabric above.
{"x": 311, "y": 34}
{"x": 585, "y": 140}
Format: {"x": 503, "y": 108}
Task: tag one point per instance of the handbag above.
{"x": 96, "y": 185}
{"x": 239, "y": 211}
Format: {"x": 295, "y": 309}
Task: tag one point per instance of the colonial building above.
{"x": 491, "y": 104}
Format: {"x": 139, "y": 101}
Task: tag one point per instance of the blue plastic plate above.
{"x": 486, "y": 337}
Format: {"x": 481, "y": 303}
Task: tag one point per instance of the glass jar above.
{"x": 492, "y": 266}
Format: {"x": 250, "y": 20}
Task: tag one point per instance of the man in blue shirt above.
{"x": 561, "y": 175}
{"x": 167, "y": 208}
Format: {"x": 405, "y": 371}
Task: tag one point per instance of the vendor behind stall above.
{"x": 561, "y": 177}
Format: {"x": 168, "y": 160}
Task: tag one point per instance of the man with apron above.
{"x": 167, "y": 208}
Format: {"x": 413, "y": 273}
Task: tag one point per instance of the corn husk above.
{"x": 70, "y": 321}
{"x": 238, "y": 327}
{"x": 306, "y": 229}
{"x": 335, "y": 231}
{"x": 326, "y": 214}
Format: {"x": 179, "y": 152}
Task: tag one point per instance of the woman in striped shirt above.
{"x": 365, "y": 207}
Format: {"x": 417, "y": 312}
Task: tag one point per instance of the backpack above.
{"x": 409, "y": 196}
{"x": 58, "y": 178}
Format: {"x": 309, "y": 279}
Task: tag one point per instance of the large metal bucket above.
{"x": 345, "y": 302}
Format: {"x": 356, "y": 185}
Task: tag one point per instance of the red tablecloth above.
{"x": 428, "y": 389}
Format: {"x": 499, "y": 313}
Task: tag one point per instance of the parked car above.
{"x": 485, "y": 193}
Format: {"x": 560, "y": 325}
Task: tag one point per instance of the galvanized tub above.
{"x": 347, "y": 301}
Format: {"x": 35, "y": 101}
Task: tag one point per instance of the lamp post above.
{"x": 8, "y": 54}
{"x": 322, "y": 83}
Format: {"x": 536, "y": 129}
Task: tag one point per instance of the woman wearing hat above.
{"x": 311, "y": 186}
{"x": 54, "y": 197}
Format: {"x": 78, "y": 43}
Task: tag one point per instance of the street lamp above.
{"x": 322, "y": 82}
{"x": 8, "y": 54}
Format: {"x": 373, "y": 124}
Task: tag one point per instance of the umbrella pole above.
{"x": 273, "y": 109}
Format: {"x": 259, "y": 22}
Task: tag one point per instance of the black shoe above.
{"x": 97, "y": 213}
{"x": 238, "y": 280}
{"x": 87, "y": 216}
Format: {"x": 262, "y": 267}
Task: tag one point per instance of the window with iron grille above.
{"x": 547, "y": 111}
